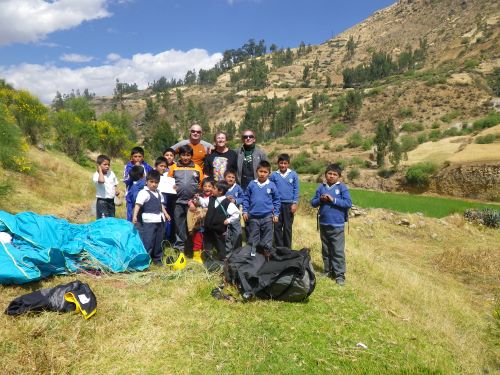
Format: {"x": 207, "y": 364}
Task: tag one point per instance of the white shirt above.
{"x": 106, "y": 189}
{"x": 143, "y": 197}
{"x": 232, "y": 210}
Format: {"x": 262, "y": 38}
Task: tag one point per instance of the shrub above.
{"x": 434, "y": 135}
{"x": 385, "y": 172}
{"x": 296, "y": 131}
{"x": 355, "y": 140}
{"x": 367, "y": 144}
{"x": 339, "y": 148}
{"x": 353, "y": 174}
{"x": 412, "y": 127}
{"x": 449, "y": 117}
{"x": 405, "y": 112}
{"x": 419, "y": 175}
{"x": 487, "y": 122}
{"x": 489, "y": 138}
{"x": 408, "y": 143}
{"x": 435, "y": 125}
{"x": 11, "y": 141}
{"x": 356, "y": 161}
{"x": 337, "y": 129}
{"x": 422, "y": 138}
{"x": 486, "y": 216}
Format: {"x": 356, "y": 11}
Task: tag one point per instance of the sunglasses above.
{"x": 196, "y": 131}
{"x": 248, "y": 136}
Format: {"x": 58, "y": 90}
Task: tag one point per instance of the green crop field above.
{"x": 428, "y": 205}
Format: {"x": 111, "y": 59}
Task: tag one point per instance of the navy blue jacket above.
{"x": 333, "y": 213}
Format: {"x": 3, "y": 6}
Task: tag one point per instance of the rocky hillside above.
{"x": 445, "y": 93}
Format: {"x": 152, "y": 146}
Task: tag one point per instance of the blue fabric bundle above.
{"x": 45, "y": 245}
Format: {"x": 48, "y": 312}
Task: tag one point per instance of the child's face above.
{"x": 169, "y": 156}
{"x": 105, "y": 166}
{"x": 161, "y": 168}
{"x": 217, "y": 192}
{"x": 332, "y": 177}
{"x": 230, "y": 179}
{"x": 283, "y": 165}
{"x": 185, "y": 158}
{"x": 152, "y": 184}
{"x": 262, "y": 175}
{"x": 208, "y": 189}
{"x": 137, "y": 158}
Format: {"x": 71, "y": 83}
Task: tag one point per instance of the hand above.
{"x": 137, "y": 163}
{"x": 276, "y": 219}
{"x": 98, "y": 168}
{"x": 245, "y": 217}
{"x": 231, "y": 198}
{"x": 167, "y": 216}
{"x": 226, "y": 222}
{"x": 134, "y": 220}
{"x": 293, "y": 209}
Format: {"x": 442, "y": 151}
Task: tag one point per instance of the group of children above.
{"x": 160, "y": 199}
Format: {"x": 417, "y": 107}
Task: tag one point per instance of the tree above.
{"x": 58, "y": 102}
{"x": 159, "y": 136}
{"x": 81, "y": 107}
{"x": 353, "y": 103}
{"x": 11, "y": 140}
{"x": 385, "y": 142}
{"x": 30, "y": 114}
{"x": 190, "y": 78}
{"x": 351, "y": 46}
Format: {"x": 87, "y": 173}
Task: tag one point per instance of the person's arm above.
{"x": 165, "y": 213}
{"x": 344, "y": 200}
{"x": 239, "y": 198}
{"x": 246, "y": 203}
{"x": 296, "y": 189}
{"x": 179, "y": 144}
{"x": 198, "y": 168}
{"x": 234, "y": 214}
{"x": 316, "y": 200}
{"x": 100, "y": 177}
{"x": 137, "y": 207}
{"x": 276, "y": 204}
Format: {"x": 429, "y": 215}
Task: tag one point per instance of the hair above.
{"x": 153, "y": 176}
{"x": 335, "y": 168}
{"x": 170, "y": 149}
{"x": 159, "y": 160}
{"x": 222, "y": 186}
{"x": 219, "y": 133}
{"x": 102, "y": 158}
{"x": 283, "y": 157}
{"x": 265, "y": 165}
{"x": 230, "y": 171}
{"x": 137, "y": 150}
{"x": 208, "y": 180}
{"x": 136, "y": 172}
{"x": 185, "y": 149}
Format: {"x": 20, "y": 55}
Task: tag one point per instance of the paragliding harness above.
{"x": 276, "y": 273}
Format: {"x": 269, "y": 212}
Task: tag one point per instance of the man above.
{"x": 200, "y": 148}
{"x": 221, "y": 159}
{"x": 249, "y": 157}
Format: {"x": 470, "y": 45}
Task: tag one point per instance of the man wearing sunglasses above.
{"x": 249, "y": 157}
{"x": 200, "y": 147}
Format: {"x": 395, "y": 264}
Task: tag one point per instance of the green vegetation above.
{"x": 252, "y": 75}
{"x": 449, "y": 117}
{"x": 337, "y": 129}
{"x": 410, "y": 203}
{"x": 11, "y": 142}
{"x": 303, "y": 163}
{"x": 408, "y": 143}
{"x": 386, "y": 144}
{"x": 489, "y": 138}
{"x": 412, "y": 127}
{"x": 485, "y": 216}
{"x": 419, "y": 175}
{"x": 494, "y": 81}
{"x": 487, "y": 122}
{"x": 353, "y": 174}
{"x": 405, "y": 112}
{"x": 355, "y": 140}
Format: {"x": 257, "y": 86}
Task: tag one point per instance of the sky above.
{"x": 59, "y": 45}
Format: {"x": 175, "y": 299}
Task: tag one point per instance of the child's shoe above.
{"x": 197, "y": 256}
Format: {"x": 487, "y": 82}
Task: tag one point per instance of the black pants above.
{"x": 213, "y": 239}
{"x": 104, "y": 207}
{"x": 283, "y": 228}
{"x": 152, "y": 237}
{"x": 180, "y": 219}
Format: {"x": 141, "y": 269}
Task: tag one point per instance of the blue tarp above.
{"x": 46, "y": 245}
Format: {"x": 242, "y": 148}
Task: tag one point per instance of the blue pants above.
{"x": 152, "y": 237}
{"x": 332, "y": 249}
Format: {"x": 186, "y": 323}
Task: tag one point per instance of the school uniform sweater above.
{"x": 261, "y": 200}
{"x": 237, "y": 193}
{"x": 287, "y": 184}
{"x": 333, "y": 213}
{"x": 126, "y": 178}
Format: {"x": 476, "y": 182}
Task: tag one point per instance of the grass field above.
{"x": 428, "y": 205}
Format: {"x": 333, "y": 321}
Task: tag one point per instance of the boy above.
{"x": 334, "y": 201}
{"x": 161, "y": 165}
{"x": 261, "y": 207}
{"x": 151, "y": 217}
{"x": 188, "y": 177}
{"x": 235, "y": 195}
{"x": 221, "y": 213}
{"x": 106, "y": 186}
{"x": 136, "y": 158}
{"x": 287, "y": 183}
{"x": 138, "y": 182}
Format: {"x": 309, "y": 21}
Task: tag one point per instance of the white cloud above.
{"x": 25, "y": 21}
{"x": 45, "y": 80}
{"x": 74, "y": 57}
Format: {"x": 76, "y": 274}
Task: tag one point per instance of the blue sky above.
{"x": 57, "y": 45}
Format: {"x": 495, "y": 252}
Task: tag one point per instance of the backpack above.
{"x": 280, "y": 274}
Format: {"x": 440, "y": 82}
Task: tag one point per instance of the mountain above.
{"x": 436, "y": 100}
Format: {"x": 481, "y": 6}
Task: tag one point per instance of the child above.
{"x": 287, "y": 183}
{"x": 106, "y": 186}
{"x": 334, "y": 201}
{"x": 150, "y": 213}
{"x": 136, "y": 158}
{"x": 161, "y": 165}
{"x": 171, "y": 197}
{"x": 200, "y": 203}
{"x": 261, "y": 207}
{"x": 188, "y": 177}
{"x": 235, "y": 195}
{"x": 221, "y": 213}
{"x": 136, "y": 175}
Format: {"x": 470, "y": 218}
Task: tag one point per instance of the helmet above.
{"x": 175, "y": 259}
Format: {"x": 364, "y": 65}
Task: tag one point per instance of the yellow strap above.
{"x": 70, "y": 297}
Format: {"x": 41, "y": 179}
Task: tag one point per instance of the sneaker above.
{"x": 340, "y": 281}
